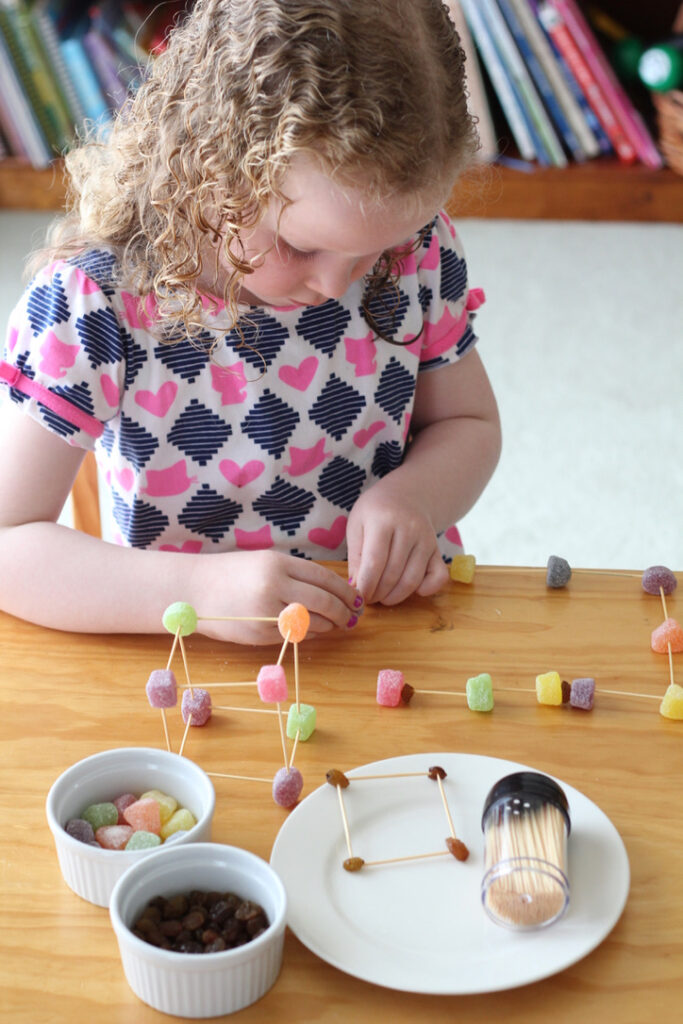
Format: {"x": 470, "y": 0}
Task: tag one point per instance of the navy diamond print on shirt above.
{"x": 101, "y": 336}
{"x": 424, "y": 295}
{"x": 324, "y": 326}
{"x": 136, "y": 443}
{"x": 270, "y": 423}
{"x": 209, "y": 513}
{"x": 199, "y": 433}
{"x": 264, "y": 336}
{"x": 141, "y": 524}
{"x": 80, "y": 396}
{"x": 135, "y": 356}
{"x": 182, "y": 358}
{"x": 388, "y": 310}
{"x": 453, "y": 276}
{"x": 388, "y": 456}
{"x": 47, "y": 306}
{"x": 99, "y": 267}
{"x": 284, "y": 505}
{"x": 395, "y": 389}
{"x": 341, "y": 482}
{"x": 336, "y": 407}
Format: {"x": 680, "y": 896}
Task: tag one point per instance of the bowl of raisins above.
{"x": 200, "y": 929}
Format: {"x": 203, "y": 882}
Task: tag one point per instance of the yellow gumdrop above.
{"x": 462, "y": 568}
{"x": 182, "y": 819}
{"x": 293, "y": 622}
{"x": 549, "y": 688}
{"x": 672, "y": 702}
{"x": 167, "y": 804}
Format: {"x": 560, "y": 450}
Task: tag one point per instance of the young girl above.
{"x": 257, "y": 316}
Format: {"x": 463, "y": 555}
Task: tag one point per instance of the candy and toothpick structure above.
{"x": 453, "y": 846}
{"x": 181, "y": 619}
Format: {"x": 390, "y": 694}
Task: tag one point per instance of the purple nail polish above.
{"x": 350, "y": 581}
{"x": 352, "y": 622}
{"x": 358, "y": 602}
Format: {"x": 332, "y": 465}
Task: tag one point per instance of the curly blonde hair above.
{"x": 374, "y": 90}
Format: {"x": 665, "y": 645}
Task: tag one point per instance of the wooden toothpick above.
{"x": 445, "y": 806}
{"x": 345, "y": 820}
{"x": 253, "y": 711}
{"x": 296, "y": 740}
{"x": 165, "y": 724}
{"x": 282, "y": 735}
{"x": 296, "y": 677}
{"x": 187, "y": 729}
{"x": 187, "y": 669}
{"x": 237, "y": 618}
{"x": 245, "y": 778}
{"x": 661, "y": 594}
{"x": 284, "y": 648}
{"x": 173, "y": 647}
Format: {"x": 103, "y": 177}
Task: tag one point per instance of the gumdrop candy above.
{"x": 389, "y": 685}
{"x": 113, "y": 837}
{"x": 672, "y": 702}
{"x": 272, "y": 684}
{"x": 462, "y": 568}
{"x": 293, "y": 622}
{"x": 162, "y": 688}
{"x": 183, "y": 819}
{"x": 549, "y": 688}
{"x": 180, "y": 617}
{"x": 670, "y": 632}
{"x": 143, "y": 841}
{"x": 479, "y": 692}
{"x": 167, "y": 804}
{"x": 287, "y": 786}
{"x": 657, "y": 578}
{"x": 558, "y": 572}
{"x": 121, "y": 802}
{"x": 145, "y": 815}
{"x": 582, "y": 693}
{"x": 79, "y": 828}
{"x": 301, "y": 719}
{"x": 198, "y": 704}
{"x": 101, "y": 814}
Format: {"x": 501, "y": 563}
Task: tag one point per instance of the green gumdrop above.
{"x": 143, "y": 841}
{"x": 479, "y": 691}
{"x": 101, "y": 814}
{"x": 180, "y": 616}
{"x": 301, "y": 720}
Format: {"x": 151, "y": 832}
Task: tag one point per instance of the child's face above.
{"x": 328, "y": 237}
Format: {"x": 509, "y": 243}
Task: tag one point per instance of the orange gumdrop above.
{"x": 670, "y": 632}
{"x": 293, "y": 622}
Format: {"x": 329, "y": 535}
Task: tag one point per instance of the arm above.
{"x": 59, "y": 577}
{"x": 455, "y": 448}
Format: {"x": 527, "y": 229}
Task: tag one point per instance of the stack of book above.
{"x": 558, "y": 93}
{"x": 65, "y": 64}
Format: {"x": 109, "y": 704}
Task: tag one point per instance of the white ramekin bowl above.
{"x": 200, "y": 984}
{"x": 92, "y": 872}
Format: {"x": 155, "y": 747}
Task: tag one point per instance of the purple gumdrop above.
{"x": 162, "y": 688}
{"x": 82, "y": 830}
{"x": 198, "y": 704}
{"x": 582, "y": 693}
{"x": 657, "y": 578}
{"x": 287, "y": 786}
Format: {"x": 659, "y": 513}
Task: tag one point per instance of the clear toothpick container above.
{"x": 526, "y": 825}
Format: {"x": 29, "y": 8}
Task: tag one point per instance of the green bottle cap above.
{"x": 626, "y": 54}
{"x": 661, "y": 68}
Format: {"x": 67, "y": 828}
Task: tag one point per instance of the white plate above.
{"x": 420, "y": 926}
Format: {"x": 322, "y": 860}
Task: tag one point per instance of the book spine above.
{"x": 539, "y": 122}
{"x": 22, "y": 116}
{"x": 85, "y": 80}
{"x": 621, "y": 106}
{"x": 45, "y": 28}
{"x": 499, "y": 80}
{"x": 559, "y": 33}
{"x": 104, "y": 65}
{"x": 28, "y": 85}
{"x": 46, "y": 84}
{"x": 541, "y": 80}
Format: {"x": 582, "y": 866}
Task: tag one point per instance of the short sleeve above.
{"x": 448, "y": 303}
{"x": 65, "y": 353}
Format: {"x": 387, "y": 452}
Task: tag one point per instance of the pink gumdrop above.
{"x": 272, "y": 684}
{"x": 162, "y": 688}
{"x": 287, "y": 786}
{"x": 113, "y": 837}
{"x": 198, "y": 704}
{"x": 144, "y": 815}
{"x": 389, "y": 686}
{"x": 670, "y": 632}
{"x": 121, "y": 802}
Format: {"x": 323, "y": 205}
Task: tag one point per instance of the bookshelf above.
{"x": 599, "y": 190}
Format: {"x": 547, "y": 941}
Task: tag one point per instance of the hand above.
{"x": 392, "y": 546}
{"x": 261, "y": 584}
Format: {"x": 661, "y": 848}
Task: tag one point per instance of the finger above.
{"x": 321, "y": 578}
{"x": 354, "y": 546}
{"x": 436, "y": 576}
{"x": 374, "y": 556}
{"x": 411, "y": 577}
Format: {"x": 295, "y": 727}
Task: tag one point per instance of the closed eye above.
{"x": 297, "y": 254}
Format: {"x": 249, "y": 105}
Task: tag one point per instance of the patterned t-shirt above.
{"x": 258, "y": 445}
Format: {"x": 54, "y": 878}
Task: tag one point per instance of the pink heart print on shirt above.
{"x": 56, "y": 357}
{"x": 158, "y": 402}
{"x": 125, "y": 477}
{"x": 110, "y": 390}
{"x": 188, "y": 547}
{"x": 453, "y": 535}
{"x": 238, "y": 475}
{"x": 303, "y": 460}
{"x": 253, "y": 540}
{"x": 172, "y": 480}
{"x": 331, "y": 538}
{"x": 300, "y": 376}
{"x": 360, "y": 352}
{"x": 362, "y": 437}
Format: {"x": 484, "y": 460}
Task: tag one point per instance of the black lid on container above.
{"x": 525, "y": 784}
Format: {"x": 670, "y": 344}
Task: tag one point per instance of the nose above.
{"x": 331, "y": 278}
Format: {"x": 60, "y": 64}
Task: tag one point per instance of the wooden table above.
{"x": 67, "y": 696}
